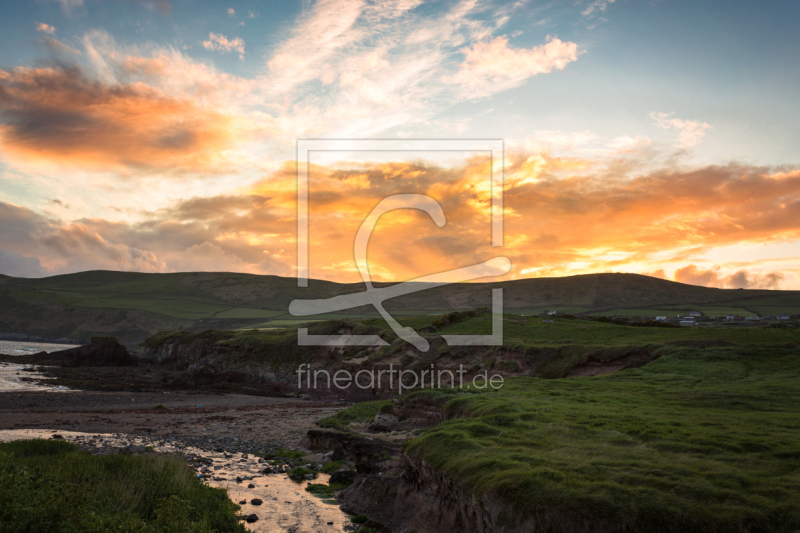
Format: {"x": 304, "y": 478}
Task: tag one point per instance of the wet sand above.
{"x": 201, "y": 417}
{"x": 205, "y": 427}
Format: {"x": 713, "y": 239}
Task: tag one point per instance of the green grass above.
{"x": 48, "y": 485}
{"x": 332, "y": 466}
{"x": 185, "y": 308}
{"x": 670, "y": 312}
{"x": 288, "y": 323}
{"x": 764, "y": 310}
{"x": 359, "y": 413}
{"x": 324, "y": 491}
{"x": 703, "y": 439}
{"x": 300, "y": 472}
{"x": 284, "y": 453}
{"x": 113, "y": 302}
{"x": 525, "y": 331}
{"x": 246, "y": 312}
{"x": 131, "y": 305}
{"x": 530, "y": 311}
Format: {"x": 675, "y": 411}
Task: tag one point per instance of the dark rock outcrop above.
{"x": 342, "y": 477}
{"x": 356, "y": 448}
{"x": 103, "y": 351}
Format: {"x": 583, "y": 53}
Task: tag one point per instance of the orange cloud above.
{"x": 217, "y": 41}
{"x": 61, "y": 116}
{"x": 741, "y": 279}
{"x": 45, "y": 28}
{"x": 564, "y": 216}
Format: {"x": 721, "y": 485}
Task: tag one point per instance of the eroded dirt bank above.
{"x": 409, "y": 496}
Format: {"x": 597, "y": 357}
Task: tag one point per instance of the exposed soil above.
{"x": 593, "y": 367}
{"x": 205, "y": 416}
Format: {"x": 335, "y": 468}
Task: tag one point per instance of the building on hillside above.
{"x": 687, "y": 323}
{"x": 753, "y": 318}
{"x": 552, "y": 312}
{"x": 695, "y": 313}
{"x": 783, "y": 317}
{"x": 661, "y": 319}
{"x": 547, "y": 320}
{"x": 731, "y": 317}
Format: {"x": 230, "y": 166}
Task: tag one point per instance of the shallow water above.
{"x": 27, "y": 348}
{"x": 286, "y": 505}
{"x": 14, "y": 378}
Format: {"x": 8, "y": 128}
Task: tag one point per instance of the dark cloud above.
{"x": 19, "y": 266}
{"x": 60, "y": 113}
{"x": 741, "y": 279}
{"x": 208, "y": 234}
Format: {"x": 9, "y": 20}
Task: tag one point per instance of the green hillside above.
{"x": 134, "y": 305}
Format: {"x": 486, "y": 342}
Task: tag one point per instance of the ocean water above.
{"x": 17, "y": 377}
{"x": 26, "y": 348}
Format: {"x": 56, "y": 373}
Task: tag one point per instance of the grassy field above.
{"x": 714, "y": 311}
{"x": 50, "y": 485}
{"x": 132, "y": 305}
{"x": 703, "y": 439}
{"x": 531, "y": 331}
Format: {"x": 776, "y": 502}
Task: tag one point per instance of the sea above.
{"x": 16, "y": 377}
{"x": 27, "y": 348}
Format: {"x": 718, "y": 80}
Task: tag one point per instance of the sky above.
{"x": 656, "y": 137}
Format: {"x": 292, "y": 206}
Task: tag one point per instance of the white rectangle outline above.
{"x": 306, "y": 146}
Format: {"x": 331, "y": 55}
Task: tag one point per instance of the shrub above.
{"x": 299, "y": 473}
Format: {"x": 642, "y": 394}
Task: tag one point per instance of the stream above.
{"x": 286, "y": 505}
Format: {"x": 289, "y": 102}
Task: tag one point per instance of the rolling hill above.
{"x": 131, "y": 305}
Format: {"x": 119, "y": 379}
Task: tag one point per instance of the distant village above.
{"x": 690, "y": 319}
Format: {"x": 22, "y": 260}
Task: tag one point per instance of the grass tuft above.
{"x": 359, "y": 413}
{"x": 48, "y": 485}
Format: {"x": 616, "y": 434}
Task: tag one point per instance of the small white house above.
{"x": 661, "y": 319}
{"x": 730, "y": 317}
{"x": 695, "y": 313}
{"x": 783, "y": 317}
{"x": 552, "y": 312}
